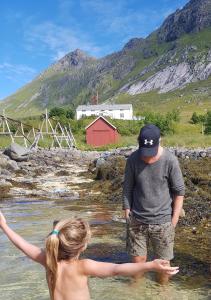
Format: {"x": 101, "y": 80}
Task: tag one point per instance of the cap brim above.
{"x": 144, "y": 151}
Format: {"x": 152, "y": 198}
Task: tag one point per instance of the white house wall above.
{"x": 114, "y": 114}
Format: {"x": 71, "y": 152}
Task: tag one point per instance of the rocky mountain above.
{"x": 174, "y": 57}
{"x": 194, "y": 17}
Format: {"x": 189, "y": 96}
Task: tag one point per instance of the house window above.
{"x": 122, "y": 115}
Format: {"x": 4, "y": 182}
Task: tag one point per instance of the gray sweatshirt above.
{"x": 149, "y": 189}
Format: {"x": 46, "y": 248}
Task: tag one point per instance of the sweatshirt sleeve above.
{"x": 176, "y": 180}
{"x": 128, "y": 185}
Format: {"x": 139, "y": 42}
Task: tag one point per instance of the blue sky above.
{"x": 36, "y": 33}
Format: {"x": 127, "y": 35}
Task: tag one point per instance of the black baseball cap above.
{"x": 149, "y": 139}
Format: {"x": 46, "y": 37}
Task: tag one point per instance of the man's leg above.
{"x": 163, "y": 278}
{"x": 139, "y": 259}
{"x": 162, "y": 238}
{"x": 137, "y": 242}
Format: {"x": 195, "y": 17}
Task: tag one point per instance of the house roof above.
{"x": 100, "y": 117}
{"x": 104, "y": 107}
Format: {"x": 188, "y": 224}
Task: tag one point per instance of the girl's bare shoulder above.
{"x": 85, "y": 265}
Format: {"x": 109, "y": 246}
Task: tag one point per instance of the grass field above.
{"x": 186, "y": 135}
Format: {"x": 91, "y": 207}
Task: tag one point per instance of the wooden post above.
{"x": 46, "y": 120}
{"x": 54, "y": 134}
{"x": 3, "y": 120}
{"x": 23, "y": 135}
{"x": 8, "y": 128}
{"x": 69, "y": 137}
{"x": 72, "y": 136}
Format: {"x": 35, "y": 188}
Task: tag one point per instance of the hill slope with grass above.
{"x": 170, "y": 68}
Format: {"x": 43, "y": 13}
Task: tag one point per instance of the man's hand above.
{"x": 127, "y": 213}
{"x": 163, "y": 266}
{"x": 2, "y": 219}
{"x": 174, "y": 221}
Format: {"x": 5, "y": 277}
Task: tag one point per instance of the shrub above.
{"x": 164, "y": 122}
{"x": 61, "y": 112}
{"x": 196, "y": 119}
{"x": 57, "y": 112}
{"x": 208, "y": 123}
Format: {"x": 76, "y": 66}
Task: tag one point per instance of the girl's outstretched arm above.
{"x": 33, "y": 252}
{"x": 101, "y": 269}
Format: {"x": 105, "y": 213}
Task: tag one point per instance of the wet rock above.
{"x": 3, "y": 162}
{"x": 111, "y": 168}
{"x": 56, "y": 159}
{"x": 7, "y": 164}
{"x": 17, "y": 152}
{"x": 203, "y": 154}
{"x": 12, "y": 165}
{"x": 194, "y": 230}
{"x": 5, "y": 172}
{"x": 62, "y": 173}
{"x": 119, "y": 219}
{"x": 100, "y": 161}
{"x": 5, "y": 187}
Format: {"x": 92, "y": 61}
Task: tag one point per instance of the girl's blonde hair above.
{"x": 71, "y": 239}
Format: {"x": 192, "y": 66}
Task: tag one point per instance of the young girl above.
{"x": 67, "y": 275}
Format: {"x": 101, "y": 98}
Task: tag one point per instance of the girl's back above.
{"x": 71, "y": 283}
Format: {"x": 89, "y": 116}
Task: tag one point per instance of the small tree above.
{"x": 194, "y": 118}
{"x": 208, "y": 123}
{"x": 70, "y": 113}
{"x": 57, "y": 112}
{"x": 164, "y": 122}
{"x": 174, "y": 115}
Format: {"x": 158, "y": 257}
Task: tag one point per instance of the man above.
{"x": 152, "y": 198}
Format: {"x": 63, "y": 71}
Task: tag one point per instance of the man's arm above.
{"x": 102, "y": 269}
{"x": 33, "y": 252}
{"x": 128, "y": 188}
{"x": 177, "y": 188}
{"x": 177, "y": 207}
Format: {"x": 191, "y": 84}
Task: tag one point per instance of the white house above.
{"x": 114, "y": 111}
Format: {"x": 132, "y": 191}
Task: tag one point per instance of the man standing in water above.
{"x": 152, "y": 198}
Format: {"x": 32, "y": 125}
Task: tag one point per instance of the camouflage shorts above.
{"x": 161, "y": 236}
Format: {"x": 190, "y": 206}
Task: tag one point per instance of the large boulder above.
{"x": 17, "y": 152}
{"x": 7, "y": 165}
{"x": 110, "y": 168}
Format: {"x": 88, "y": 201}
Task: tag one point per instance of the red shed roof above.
{"x": 100, "y": 117}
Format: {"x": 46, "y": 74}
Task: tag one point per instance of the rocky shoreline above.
{"x": 66, "y": 174}
{"x": 46, "y": 174}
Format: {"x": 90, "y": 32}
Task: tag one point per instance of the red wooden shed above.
{"x": 101, "y": 132}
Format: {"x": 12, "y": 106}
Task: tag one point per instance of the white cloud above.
{"x": 117, "y": 18}
{"x": 17, "y": 73}
{"x": 59, "y": 40}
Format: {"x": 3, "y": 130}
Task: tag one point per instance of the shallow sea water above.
{"x": 21, "y": 278}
